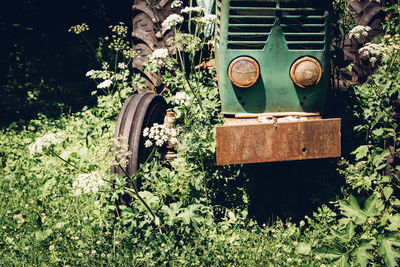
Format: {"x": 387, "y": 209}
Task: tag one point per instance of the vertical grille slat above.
{"x": 250, "y": 23}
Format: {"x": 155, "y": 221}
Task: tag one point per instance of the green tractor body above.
{"x": 264, "y": 45}
{"x": 275, "y": 34}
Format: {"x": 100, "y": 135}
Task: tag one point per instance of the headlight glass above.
{"x": 244, "y": 72}
{"x": 306, "y": 72}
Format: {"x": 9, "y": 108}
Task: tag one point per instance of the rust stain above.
{"x": 248, "y": 141}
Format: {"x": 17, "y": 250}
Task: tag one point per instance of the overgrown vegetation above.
{"x": 59, "y": 204}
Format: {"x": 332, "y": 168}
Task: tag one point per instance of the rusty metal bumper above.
{"x": 250, "y": 141}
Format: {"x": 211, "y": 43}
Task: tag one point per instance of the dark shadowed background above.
{"x": 42, "y": 65}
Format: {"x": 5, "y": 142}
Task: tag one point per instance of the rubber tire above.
{"x": 138, "y": 112}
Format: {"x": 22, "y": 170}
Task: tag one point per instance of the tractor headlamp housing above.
{"x": 306, "y": 72}
{"x": 244, "y": 72}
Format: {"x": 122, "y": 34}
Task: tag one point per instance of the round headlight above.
{"x": 243, "y": 72}
{"x": 306, "y": 72}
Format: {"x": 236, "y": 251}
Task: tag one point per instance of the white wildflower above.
{"x": 87, "y": 183}
{"x": 372, "y": 51}
{"x": 190, "y": 9}
{"x": 176, "y": 3}
{"x": 207, "y": 19}
{"x": 148, "y": 143}
{"x": 90, "y": 73}
{"x": 159, "y": 143}
{"x": 172, "y": 21}
{"x": 158, "y": 55}
{"x": 160, "y": 134}
{"x": 105, "y": 84}
{"x": 359, "y": 31}
{"x": 182, "y": 99}
{"x": 44, "y": 142}
{"x": 146, "y": 132}
{"x": 122, "y": 65}
{"x": 51, "y": 248}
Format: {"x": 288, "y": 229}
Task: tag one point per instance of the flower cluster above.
{"x": 104, "y": 84}
{"x": 359, "y": 31}
{"x": 87, "y": 183}
{"x": 121, "y": 152}
{"x": 172, "y": 21}
{"x": 176, "y": 3}
{"x": 122, "y": 65}
{"x": 372, "y": 51}
{"x": 189, "y": 9}
{"x": 44, "y": 142}
{"x": 77, "y": 29}
{"x": 160, "y": 134}
{"x": 182, "y": 99}
{"x": 158, "y": 55}
{"x": 118, "y": 38}
{"x": 119, "y": 29}
{"x": 208, "y": 19}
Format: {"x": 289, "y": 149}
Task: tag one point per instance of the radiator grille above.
{"x": 251, "y": 22}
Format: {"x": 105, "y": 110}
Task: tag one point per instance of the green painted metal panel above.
{"x": 275, "y": 34}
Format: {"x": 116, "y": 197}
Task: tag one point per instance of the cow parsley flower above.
{"x": 148, "y": 143}
{"x": 160, "y": 134}
{"x": 172, "y": 21}
{"x": 158, "y": 55}
{"x": 207, "y": 19}
{"x": 359, "y": 31}
{"x": 105, "y": 84}
{"x": 176, "y": 3}
{"x": 371, "y": 50}
{"x": 182, "y": 99}
{"x": 190, "y": 9}
{"x": 121, "y": 152}
{"x": 90, "y": 73}
{"x": 45, "y": 142}
{"x": 122, "y": 65}
{"x": 87, "y": 183}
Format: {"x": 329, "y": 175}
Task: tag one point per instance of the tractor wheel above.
{"x": 148, "y": 34}
{"x": 138, "y": 112}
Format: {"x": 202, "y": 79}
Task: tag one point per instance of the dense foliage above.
{"x": 59, "y": 204}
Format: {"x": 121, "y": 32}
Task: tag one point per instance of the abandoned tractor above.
{"x": 273, "y": 66}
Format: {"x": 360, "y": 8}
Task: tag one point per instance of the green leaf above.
{"x": 361, "y": 254}
{"x": 372, "y": 206}
{"x": 343, "y": 261}
{"x": 329, "y": 253}
{"x": 387, "y": 192}
{"x": 172, "y": 212}
{"x": 350, "y": 227}
{"x": 361, "y": 152}
{"x": 378, "y": 132}
{"x": 352, "y": 210}
{"x": 394, "y": 223}
{"x": 42, "y": 235}
{"x": 387, "y": 251}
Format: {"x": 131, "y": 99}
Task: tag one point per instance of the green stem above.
{"x": 135, "y": 190}
{"x": 70, "y": 164}
{"x": 90, "y": 45}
